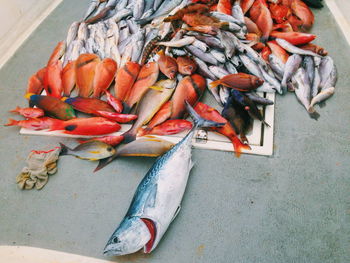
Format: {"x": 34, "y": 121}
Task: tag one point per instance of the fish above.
{"x": 167, "y": 65}
{"x": 147, "y": 76}
{"x": 191, "y": 8}
{"x": 208, "y": 29}
{"x": 239, "y": 81}
{"x": 292, "y": 65}
{"x": 227, "y": 130}
{"x": 52, "y": 106}
{"x": 203, "y": 69}
{"x": 178, "y": 43}
{"x": 68, "y": 78}
{"x": 36, "y": 124}
{"x": 261, "y": 15}
{"x": 230, "y": 68}
{"x": 138, "y": 8}
{"x": 186, "y": 65}
{"x": 92, "y": 7}
{"x": 278, "y": 51}
{"x": 157, "y": 199}
{"x": 280, "y": 13}
{"x": 29, "y": 112}
{"x": 52, "y": 79}
{"x": 309, "y": 65}
{"x": 320, "y": 97}
{"x": 150, "y": 103}
{"x": 210, "y": 41}
{"x": 83, "y": 32}
{"x": 225, "y": 7}
{"x": 293, "y": 49}
{"x": 35, "y": 82}
{"x": 201, "y": 45}
{"x": 237, "y": 13}
{"x": 114, "y": 102}
{"x": 190, "y": 89}
{"x": 87, "y": 126}
{"x": 316, "y": 81}
{"x": 109, "y": 139}
{"x": 326, "y": 67}
{"x": 85, "y": 73}
{"x": 118, "y": 117}
{"x": 251, "y": 66}
{"x": 315, "y": 48}
{"x": 277, "y": 66}
{"x": 303, "y": 12}
{"x": 57, "y": 53}
{"x": 251, "y": 26}
{"x": 295, "y": 38}
{"x": 259, "y": 100}
{"x": 125, "y": 79}
{"x": 265, "y": 53}
{"x": 219, "y": 72}
{"x": 161, "y": 116}
{"x": 167, "y": 128}
{"x": 88, "y": 105}
{"x": 104, "y": 75}
{"x": 92, "y": 151}
{"x": 226, "y": 18}
{"x": 246, "y": 5}
{"x": 206, "y": 57}
{"x": 219, "y": 56}
{"x": 100, "y": 14}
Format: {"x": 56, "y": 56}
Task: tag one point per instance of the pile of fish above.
{"x": 148, "y": 63}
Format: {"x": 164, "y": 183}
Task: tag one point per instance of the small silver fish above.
{"x": 226, "y": 18}
{"x": 277, "y": 66}
{"x": 139, "y": 6}
{"x": 115, "y": 54}
{"x": 206, "y": 57}
{"x": 214, "y": 91}
{"x": 272, "y": 80}
{"x": 72, "y": 32}
{"x": 201, "y": 45}
{"x": 252, "y": 67}
{"x": 92, "y": 7}
{"x": 322, "y": 96}
{"x": 326, "y": 67}
{"x": 293, "y": 49}
{"x": 92, "y": 151}
{"x": 230, "y": 68}
{"x": 124, "y": 32}
{"x": 219, "y": 72}
{"x": 83, "y": 32}
{"x": 164, "y": 8}
{"x": 121, "y": 14}
{"x": 178, "y": 43}
{"x": 219, "y": 56}
{"x": 203, "y": 69}
{"x": 224, "y": 94}
{"x": 292, "y": 65}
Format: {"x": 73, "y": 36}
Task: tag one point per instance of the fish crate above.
{"x": 260, "y": 137}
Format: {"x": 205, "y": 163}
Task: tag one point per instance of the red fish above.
{"x": 57, "y": 53}
{"x": 265, "y": 53}
{"x": 52, "y": 79}
{"x": 125, "y": 79}
{"x": 190, "y": 89}
{"x": 186, "y": 65}
{"x": 303, "y": 12}
{"x": 114, "y": 102}
{"x": 118, "y": 117}
{"x": 283, "y": 27}
{"x": 104, "y": 75}
{"x": 195, "y": 19}
{"x": 88, "y": 126}
{"x": 52, "y": 106}
{"x": 278, "y": 51}
{"x": 111, "y": 140}
{"x": 295, "y": 22}
{"x": 147, "y": 77}
{"x": 316, "y": 49}
{"x": 161, "y": 116}
{"x": 29, "y": 112}
{"x": 227, "y": 130}
{"x": 89, "y": 105}
{"x": 261, "y": 15}
{"x": 239, "y": 81}
{"x": 35, "y": 83}
{"x": 167, "y": 128}
{"x": 295, "y": 38}
{"x": 280, "y": 13}
{"x": 225, "y": 6}
{"x": 251, "y": 26}
{"x": 192, "y": 8}
{"x": 246, "y": 5}
{"x": 35, "y": 123}
{"x": 258, "y": 46}
{"x": 68, "y": 78}
{"x": 85, "y": 73}
{"x": 167, "y": 65}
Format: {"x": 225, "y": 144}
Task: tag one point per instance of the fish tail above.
{"x": 214, "y": 84}
{"x": 15, "y": 110}
{"x": 238, "y": 146}
{"x": 64, "y": 149}
{"x": 12, "y": 122}
{"x": 199, "y": 121}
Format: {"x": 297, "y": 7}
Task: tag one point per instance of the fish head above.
{"x": 131, "y": 235}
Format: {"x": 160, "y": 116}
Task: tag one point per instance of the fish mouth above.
{"x": 153, "y": 231}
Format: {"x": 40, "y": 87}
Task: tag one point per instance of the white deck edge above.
{"x": 18, "y": 40}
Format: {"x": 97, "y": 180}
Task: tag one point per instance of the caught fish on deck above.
{"x": 92, "y": 151}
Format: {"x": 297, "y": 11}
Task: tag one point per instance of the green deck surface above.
{"x": 291, "y": 207}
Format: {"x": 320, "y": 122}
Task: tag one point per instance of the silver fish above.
{"x": 316, "y": 83}
{"x": 237, "y": 13}
{"x": 266, "y": 87}
{"x": 93, "y": 151}
{"x": 258, "y": 100}
{"x": 277, "y": 66}
{"x": 228, "y": 44}
{"x": 224, "y": 94}
{"x": 322, "y": 96}
{"x": 100, "y": 7}
{"x": 121, "y": 14}
{"x": 148, "y": 6}
{"x": 156, "y": 4}
{"x": 164, "y": 30}
{"x": 115, "y": 54}
{"x": 232, "y": 27}
{"x": 292, "y": 65}
{"x": 332, "y": 79}
{"x": 210, "y": 41}
{"x": 271, "y": 79}
{"x": 89, "y": 45}
{"x": 121, "y": 5}
{"x": 219, "y": 72}
{"x": 164, "y": 8}
{"x": 133, "y": 27}
{"x": 226, "y": 18}
{"x": 230, "y": 68}
{"x": 201, "y": 45}
{"x": 72, "y": 32}
{"x": 77, "y": 45}
{"x": 236, "y": 61}
{"x": 178, "y": 52}
{"x": 127, "y": 54}
{"x": 218, "y": 55}
{"x": 112, "y": 3}
{"x": 309, "y": 65}
{"x": 203, "y": 69}
{"x": 92, "y": 7}
{"x": 206, "y": 57}
{"x": 83, "y": 32}
{"x": 293, "y": 49}
{"x": 157, "y": 199}
{"x": 148, "y": 13}
{"x": 138, "y": 47}
{"x": 252, "y": 67}
{"x": 124, "y": 32}
{"x": 178, "y": 43}
{"x": 139, "y": 6}
{"x": 326, "y": 67}
{"x": 214, "y": 91}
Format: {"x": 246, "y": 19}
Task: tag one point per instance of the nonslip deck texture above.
{"x": 291, "y": 207}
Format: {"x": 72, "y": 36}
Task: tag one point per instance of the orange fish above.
{"x": 283, "y": 27}
{"x": 258, "y": 46}
{"x": 104, "y": 75}
{"x": 280, "y": 13}
{"x": 57, "y": 53}
{"x": 42, "y": 123}
{"x": 303, "y": 12}
{"x": 251, "y": 26}
{"x": 114, "y": 102}
{"x": 167, "y": 65}
{"x": 261, "y": 15}
{"x": 68, "y": 78}
{"x": 36, "y": 82}
{"x": 29, "y": 112}
{"x": 295, "y": 22}
{"x": 278, "y": 51}
{"x": 246, "y": 5}
{"x": 295, "y": 38}
{"x": 52, "y": 79}
{"x": 147, "y": 77}
{"x": 85, "y": 73}
{"x": 125, "y": 79}
{"x": 225, "y": 6}
{"x": 111, "y": 140}
{"x": 211, "y": 30}
{"x": 186, "y": 65}
{"x": 265, "y": 53}
{"x": 88, "y": 105}
{"x": 195, "y": 19}
{"x": 161, "y": 116}
{"x": 239, "y": 81}
{"x": 190, "y": 89}
{"x": 316, "y": 49}
{"x": 227, "y": 130}
{"x": 191, "y": 8}
{"x": 167, "y": 128}
{"x": 118, "y": 117}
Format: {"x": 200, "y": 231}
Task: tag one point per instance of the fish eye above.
{"x": 116, "y": 240}
{"x": 109, "y": 149}
{"x": 190, "y": 67}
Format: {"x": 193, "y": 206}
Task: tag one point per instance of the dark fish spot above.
{"x": 109, "y": 149}
{"x": 70, "y": 127}
{"x": 49, "y": 90}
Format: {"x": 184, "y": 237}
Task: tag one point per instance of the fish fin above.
{"x": 104, "y": 162}
{"x": 11, "y": 122}
{"x": 214, "y": 84}
{"x": 64, "y": 149}
{"x": 199, "y": 121}
{"x": 239, "y": 146}
{"x": 156, "y": 88}
{"x": 151, "y": 199}
{"x": 176, "y": 212}
{"x": 15, "y": 110}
